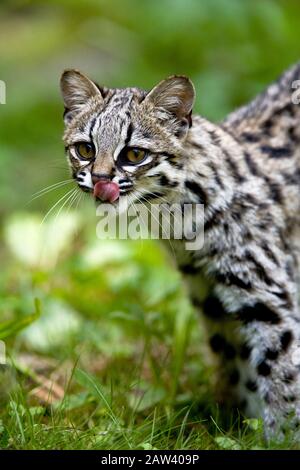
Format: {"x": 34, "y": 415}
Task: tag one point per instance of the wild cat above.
{"x": 149, "y": 147}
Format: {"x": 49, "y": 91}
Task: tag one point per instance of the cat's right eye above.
{"x": 85, "y": 150}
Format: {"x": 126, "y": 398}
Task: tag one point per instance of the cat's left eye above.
{"x": 135, "y": 155}
{"x": 85, "y": 150}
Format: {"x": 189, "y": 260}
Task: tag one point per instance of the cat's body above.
{"x": 246, "y": 172}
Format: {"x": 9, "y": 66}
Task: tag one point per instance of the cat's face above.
{"x": 126, "y": 142}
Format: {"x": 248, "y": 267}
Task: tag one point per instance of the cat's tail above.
{"x": 275, "y": 112}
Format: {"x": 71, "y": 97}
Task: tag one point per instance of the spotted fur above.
{"x": 246, "y": 171}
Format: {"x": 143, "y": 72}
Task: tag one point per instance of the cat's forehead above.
{"x": 109, "y": 119}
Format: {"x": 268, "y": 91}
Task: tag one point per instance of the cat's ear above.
{"x": 176, "y": 96}
{"x": 76, "y": 90}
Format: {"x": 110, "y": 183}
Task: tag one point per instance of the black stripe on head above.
{"x": 197, "y": 190}
{"x": 129, "y": 133}
{"x": 259, "y": 312}
{"x": 93, "y": 122}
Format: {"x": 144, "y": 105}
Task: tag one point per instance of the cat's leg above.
{"x": 226, "y": 346}
{"x": 273, "y": 367}
{"x": 258, "y": 347}
{"x": 268, "y": 359}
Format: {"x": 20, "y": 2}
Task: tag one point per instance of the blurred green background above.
{"x": 118, "y": 305}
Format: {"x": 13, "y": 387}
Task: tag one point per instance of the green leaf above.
{"x": 39, "y": 243}
{"x": 145, "y": 396}
{"x": 54, "y": 328}
{"x": 254, "y": 424}
{"x": 227, "y": 443}
{"x": 11, "y": 328}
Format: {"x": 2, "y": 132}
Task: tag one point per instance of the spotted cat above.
{"x": 148, "y": 147}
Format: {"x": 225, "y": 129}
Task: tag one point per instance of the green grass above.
{"x": 115, "y": 357}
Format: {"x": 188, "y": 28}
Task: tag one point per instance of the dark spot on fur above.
{"x": 290, "y": 398}
{"x": 259, "y": 312}
{"x": 217, "y": 177}
{"x": 269, "y": 253}
{"x": 263, "y": 369}
{"x": 188, "y": 269}
{"x": 214, "y": 219}
{"x": 285, "y": 297}
{"x": 248, "y": 137}
{"x": 217, "y": 343}
{"x": 229, "y": 351}
{"x": 243, "y": 404}
{"x": 234, "y": 377}
{"x": 251, "y": 165}
{"x": 245, "y": 351}
{"x": 289, "y": 377}
{"x": 213, "y": 308}
{"x": 197, "y": 190}
{"x": 271, "y": 354}
{"x": 230, "y": 279}
{"x": 251, "y": 385}
{"x": 234, "y": 170}
{"x": 276, "y": 152}
{"x": 275, "y": 190}
{"x": 259, "y": 269}
{"x": 267, "y": 398}
{"x": 175, "y": 163}
{"x": 164, "y": 181}
{"x": 285, "y": 339}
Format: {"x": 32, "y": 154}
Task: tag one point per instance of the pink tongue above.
{"x": 106, "y": 191}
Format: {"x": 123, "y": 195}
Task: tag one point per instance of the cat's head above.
{"x": 126, "y": 142}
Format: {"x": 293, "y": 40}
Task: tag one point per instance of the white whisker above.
{"x": 50, "y": 188}
{"x": 55, "y": 205}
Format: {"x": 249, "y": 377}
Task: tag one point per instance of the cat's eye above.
{"x": 135, "y": 155}
{"x": 85, "y": 150}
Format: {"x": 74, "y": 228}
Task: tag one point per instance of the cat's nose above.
{"x": 105, "y": 189}
{"x": 100, "y": 177}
